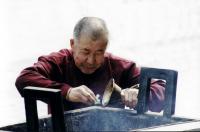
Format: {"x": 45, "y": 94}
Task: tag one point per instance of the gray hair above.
{"x": 91, "y": 27}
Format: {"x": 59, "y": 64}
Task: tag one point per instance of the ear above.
{"x": 72, "y": 43}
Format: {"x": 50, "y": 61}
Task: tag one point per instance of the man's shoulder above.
{"x": 117, "y": 59}
{"x": 57, "y": 56}
{"x": 119, "y": 62}
{"x": 61, "y": 53}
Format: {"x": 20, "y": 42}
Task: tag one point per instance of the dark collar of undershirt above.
{"x": 89, "y": 76}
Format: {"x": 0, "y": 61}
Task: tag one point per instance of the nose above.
{"x": 91, "y": 59}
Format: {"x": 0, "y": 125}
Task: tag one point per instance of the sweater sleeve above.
{"x": 129, "y": 74}
{"x": 47, "y": 73}
{"x": 157, "y": 89}
{"x": 157, "y": 95}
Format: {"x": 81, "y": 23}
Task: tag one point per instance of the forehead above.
{"x": 86, "y": 42}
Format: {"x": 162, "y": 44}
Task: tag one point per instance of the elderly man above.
{"x": 84, "y": 71}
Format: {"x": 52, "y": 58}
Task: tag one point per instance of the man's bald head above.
{"x": 89, "y": 44}
{"x": 91, "y": 27}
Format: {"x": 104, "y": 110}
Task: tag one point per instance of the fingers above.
{"x": 136, "y": 86}
{"x": 129, "y": 97}
{"x": 82, "y": 94}
{"x": 88, "y": 96}
{"x": 123, "y": 96}
{"x": 92, "y": 95}
{"x": 86, "y": 100}
{"x": 130, "y": 100}
{"x": 126, "y": 98}
{"x": 134, "y": 101}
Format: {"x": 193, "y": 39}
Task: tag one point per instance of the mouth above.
{"x": 90, "y": 67}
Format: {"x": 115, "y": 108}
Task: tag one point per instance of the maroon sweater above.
{"x": 58, "y": 71}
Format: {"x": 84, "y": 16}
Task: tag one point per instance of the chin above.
{"x": 88, "y": 71}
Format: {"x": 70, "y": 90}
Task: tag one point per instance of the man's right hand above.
{"x": 81, "y": 94}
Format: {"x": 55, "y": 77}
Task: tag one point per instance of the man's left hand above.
{"x": 129, "y": 97}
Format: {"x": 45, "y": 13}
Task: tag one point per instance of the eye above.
{"x": 99, "y": 52}
{"x": 85, "y": 52}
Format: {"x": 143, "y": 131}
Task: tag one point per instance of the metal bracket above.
{"x": 170, "y": 76}
{"x": 54, "y": 98}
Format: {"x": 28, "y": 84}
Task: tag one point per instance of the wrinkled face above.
{"x": 88, "y": 54}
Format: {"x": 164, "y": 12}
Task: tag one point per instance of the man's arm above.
{"x": 157, "y": 90}
{"x": 157, "y": 95}
{"x": 47, "y": 73}
{"x": 41, "y": 75}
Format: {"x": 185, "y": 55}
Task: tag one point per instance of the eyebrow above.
{"x": 100, "y": 50}
{"x": 85, "y": 49}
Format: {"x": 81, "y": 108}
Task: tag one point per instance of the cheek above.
{"x": 100, "y": 59}
{"x": 79, "y": 59}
